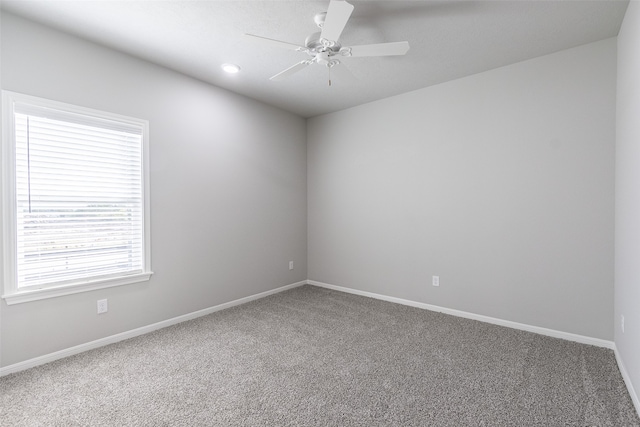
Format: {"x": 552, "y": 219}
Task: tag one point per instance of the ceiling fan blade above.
{"x": 380, "y": 49}
{"x": 337, "y": 16}
{"x": 291, "y": 70}
{"x": 276, "y": 43}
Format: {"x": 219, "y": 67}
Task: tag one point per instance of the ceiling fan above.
{"x": 324, "y": 47}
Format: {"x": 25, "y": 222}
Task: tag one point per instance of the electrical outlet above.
{"x": 435, "y": 280}
{"x": 290, "y": 265}
{"x": 622, "y": 322}
{"x": 102, "y": 306}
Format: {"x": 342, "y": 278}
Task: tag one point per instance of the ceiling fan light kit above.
{"x": 324, "y": 46}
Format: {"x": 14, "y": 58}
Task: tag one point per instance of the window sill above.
{"x": 38, "y": 294}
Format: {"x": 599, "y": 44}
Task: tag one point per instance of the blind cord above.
{"x": 28, "y": 165}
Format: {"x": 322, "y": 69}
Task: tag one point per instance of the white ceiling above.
{"x": 448, "y": 39}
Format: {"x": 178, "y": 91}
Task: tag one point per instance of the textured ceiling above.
{"x": 448, "y": 39}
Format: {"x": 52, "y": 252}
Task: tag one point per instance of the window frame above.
{"x": 11, "y": 293}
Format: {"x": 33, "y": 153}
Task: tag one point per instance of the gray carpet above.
{"x": 315, "y": 357}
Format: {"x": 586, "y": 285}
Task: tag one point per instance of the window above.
{"x": 75, "y": 199}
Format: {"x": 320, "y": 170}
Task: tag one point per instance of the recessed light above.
{"x": 231, "y": 68}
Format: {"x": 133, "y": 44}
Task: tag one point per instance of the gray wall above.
{"x": 627, "y": 286}
{"x": 501, "y": 183}
{"x": 228, "y": 189}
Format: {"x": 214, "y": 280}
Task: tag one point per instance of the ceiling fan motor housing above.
{"x": 317, "y": 44}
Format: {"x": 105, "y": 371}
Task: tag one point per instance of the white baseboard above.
{"x": 627, "y": 380}
{"x": 515, "y": 325}
{"x": 41, "y": 360}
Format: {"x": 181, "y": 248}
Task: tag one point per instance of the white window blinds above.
{"x": 79, "y": 198}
